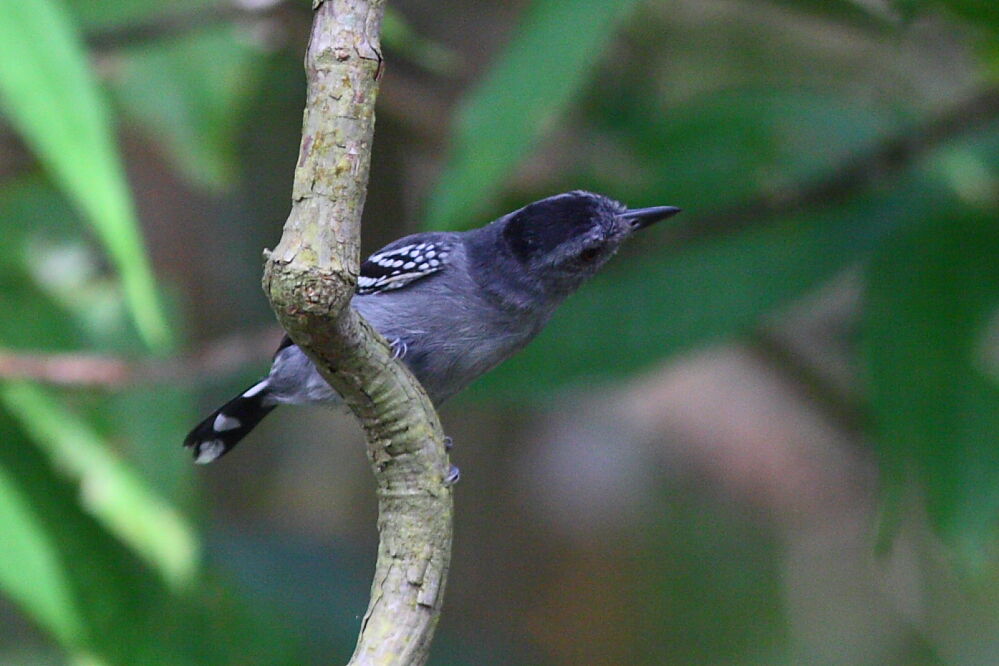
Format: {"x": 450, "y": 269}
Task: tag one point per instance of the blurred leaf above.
{"x": 30, "y": 571}
{"x": 521, "y": 97}
{"x": 723, "y": 148}
{"x": 978, "y": 12}
{"x": 30, "y": 328}
{"x": 128, "y": 616}
{"x": 105, "y": 584}
{"x": 39, "y": 234}
{"x": 150, "y": 421}
{"x": 109, "y": 490}
{"x": 191, "y": 94}
{"x": 645, "y": 307}
{"x": 931, "y": 294}
{"x": 53, "y": 277}
{"x": 433, "y": 56}
{"x": 50, "y": 96}
{"x": 853, "y": 12}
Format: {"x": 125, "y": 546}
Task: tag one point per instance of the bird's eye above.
{"x": 589, "y": 254}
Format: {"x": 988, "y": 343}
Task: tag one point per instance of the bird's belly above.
{"x": 447, "y": 371}
{"x": 448, "y": 348}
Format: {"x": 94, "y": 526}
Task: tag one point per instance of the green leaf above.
{"x": 191, "y": 95}
{"x": 53, "y": 276}
{"x": 50, "y": 96}
{"x": 143, "y": 419}
{"x": 519, "y": 100}
{"x": 98, "y": 579}
{"x": 111, "y": 491}
{"x": 433, "y": 56}
{"x": 124, "y": 615}
{"x": 127, "y": 615}
{"x": 931, "y": 293}
{"x": 849, "y": 12}
{"x": 720, "y": 149}
{"x": 978, "y": 12}
{"x": 30, "y": 570}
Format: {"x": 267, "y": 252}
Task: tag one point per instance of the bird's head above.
{"x": 566, "y": 238}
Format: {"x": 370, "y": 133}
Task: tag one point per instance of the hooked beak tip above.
{"x": 639, "y": 218}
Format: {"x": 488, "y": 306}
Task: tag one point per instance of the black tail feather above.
{"x": 227, "y": 425}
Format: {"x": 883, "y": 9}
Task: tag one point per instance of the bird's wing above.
{"x": 398, "y": 264}
{"x": 403, "y": 262}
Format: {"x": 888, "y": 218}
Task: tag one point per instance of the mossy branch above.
{"x": 310, "y": 278}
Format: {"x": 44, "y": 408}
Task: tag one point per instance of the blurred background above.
{"x": 768, "y": 433}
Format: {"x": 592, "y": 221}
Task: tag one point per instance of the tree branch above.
{"x": 310, "y": 278}
{"x": 83, "y": 369}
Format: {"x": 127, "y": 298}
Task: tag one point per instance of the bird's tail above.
{"x": 227, "y": 425}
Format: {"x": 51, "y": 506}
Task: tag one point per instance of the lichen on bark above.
{"x": 310, "y": 278}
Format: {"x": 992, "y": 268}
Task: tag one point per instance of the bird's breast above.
{"x": 450, "y": 343}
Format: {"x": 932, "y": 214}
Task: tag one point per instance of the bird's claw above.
{"x": 399, "y": 348}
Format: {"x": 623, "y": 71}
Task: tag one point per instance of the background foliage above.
{"x": 818, "y": 148}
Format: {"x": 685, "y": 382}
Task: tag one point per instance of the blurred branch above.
{"x": 886, "y": 159}
{"x": 173, "y": 24}
{"x": 65, "y": 369}
{"x": 813, "y": 344}
{"x": 846, "y": 411}
{"x": 221, "y": 357}
{"x": 310, "y": 278}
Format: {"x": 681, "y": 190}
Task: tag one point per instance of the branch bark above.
{"x": 310, "y": 278}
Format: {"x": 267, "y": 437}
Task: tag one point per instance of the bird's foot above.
{"x": 399, "y": 347}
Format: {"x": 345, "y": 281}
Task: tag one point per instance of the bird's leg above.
{"x": 453, "y": 473}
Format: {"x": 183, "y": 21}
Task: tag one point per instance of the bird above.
{"x": 453, "y": 305}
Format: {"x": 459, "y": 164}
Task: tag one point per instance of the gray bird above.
{"x": 453, "y": 305}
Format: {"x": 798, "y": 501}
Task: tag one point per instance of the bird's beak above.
{"x": 639, "y": 218}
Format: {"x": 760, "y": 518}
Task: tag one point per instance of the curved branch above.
{"x": 309, "y": 279}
